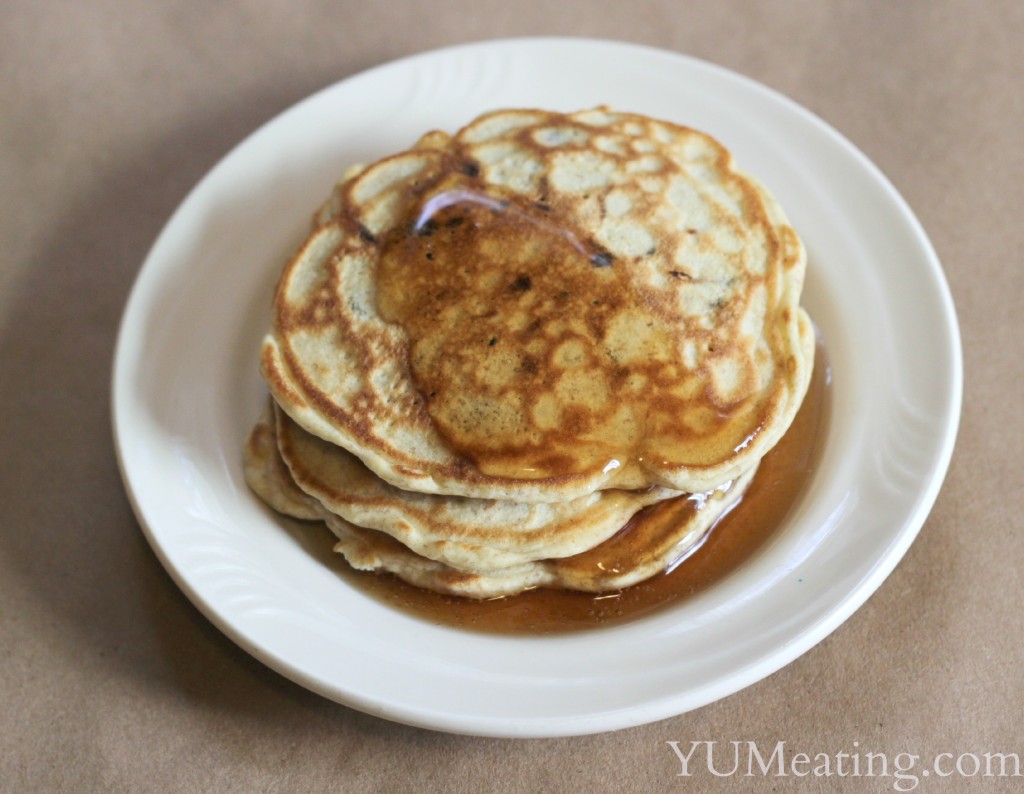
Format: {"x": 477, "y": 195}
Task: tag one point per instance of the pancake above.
{"x": 657, "y": 538}
{"x": 465, "y": 533}
{"x": 544, "y": 305}
{"x": 647, "y": 543}
{"x": 268, "y": 476}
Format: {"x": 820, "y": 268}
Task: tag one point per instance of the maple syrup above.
{"x": 541, "y": 355}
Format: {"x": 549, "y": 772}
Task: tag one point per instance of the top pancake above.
{"x": 544, "y": 305}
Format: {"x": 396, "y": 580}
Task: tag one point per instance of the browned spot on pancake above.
{"x": 452, "y": 577}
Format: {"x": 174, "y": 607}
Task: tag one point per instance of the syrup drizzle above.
{"x": 537, "y": 355}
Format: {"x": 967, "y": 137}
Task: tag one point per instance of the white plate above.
{"x": 186, "y": 389}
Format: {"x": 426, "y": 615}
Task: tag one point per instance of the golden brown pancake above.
{"x": 646, "y": 543}
{"x": 268, "y": 476}
{"x": 543, "y": 305}
{"x": 655, "y": 539}
{"x": 465, "y": 533}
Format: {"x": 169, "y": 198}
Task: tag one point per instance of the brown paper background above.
{"x": 110, "y": 680}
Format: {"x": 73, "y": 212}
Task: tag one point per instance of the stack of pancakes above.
{"x": 547, "y": 351}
